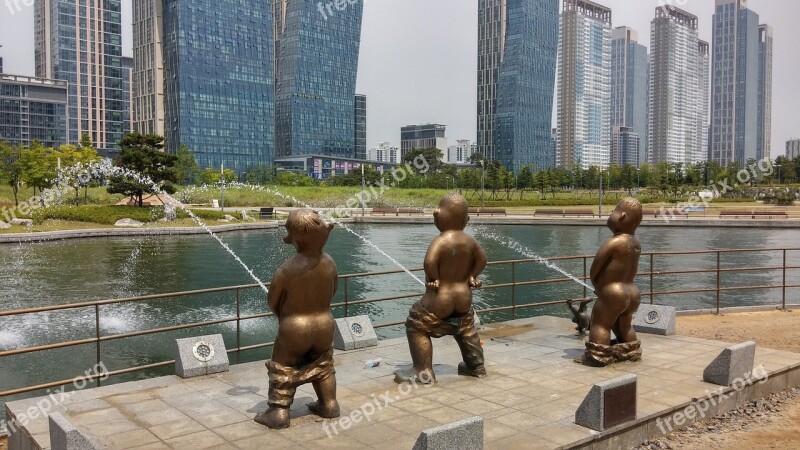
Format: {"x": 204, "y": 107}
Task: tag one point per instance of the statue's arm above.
{"x": 277, "y": 289}
{"x": 431, "y": 265}
{"x": 478, "y": 265}
{"x": 601, "y": 260}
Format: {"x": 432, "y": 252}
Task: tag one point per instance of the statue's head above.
{"x": 452, "y": 213}
{"x": 307, "y": 231}
{"x": 626, "y": 217}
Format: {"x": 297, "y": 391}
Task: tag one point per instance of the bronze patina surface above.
{"x": 452, "y": 265}
{"x": 613, "y": 272}
{"x": 300, "y": 296}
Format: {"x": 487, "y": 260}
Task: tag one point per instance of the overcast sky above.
{"x": 419, "y": 58}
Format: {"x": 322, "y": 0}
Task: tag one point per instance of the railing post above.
{"x": 238, "y": 327}
{"x": 346, "y": 298}
{"x": 783, "y": 300}
{"x": 97, "y": 336}
{"x": 719, "y": 274}
{"x": 652, "y": 274}
{"x": 514, "y": 290}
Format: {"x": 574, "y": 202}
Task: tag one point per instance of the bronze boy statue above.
{"x": 452, "y": 265}
{"x": 613, "y": 273}
{"x": 300, "y": 296}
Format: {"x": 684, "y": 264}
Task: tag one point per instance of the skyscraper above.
{"x": 148, "y": 71}
{"x": 677, "y": 107}
{"x": 33, "y": 109}
{"x": 704, "y": 94}
{"x": 625, "y": 144}
{"x": 764, "y": 146}
{"x": 734, "y": 83}
{"x": 80, "y": 41}
{"x": 316, "y": 60}
{"x": 218, "y": 94}
{"x": 584, "y": 85}
{"x": 360, "y": 126}
{"x": 517, "y": 42}
{"x": 629, "y": 71}
{"x": 127, "y": 93}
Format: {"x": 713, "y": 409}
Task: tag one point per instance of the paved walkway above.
{"x": 528, "y": 401}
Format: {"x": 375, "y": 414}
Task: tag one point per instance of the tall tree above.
{"x": 39, "y": 166}
{"x": 433, "y": 157}
{"x": 10, "y": 167}
{"x": 142, "y": 154}
{"x": 186, "y": 166}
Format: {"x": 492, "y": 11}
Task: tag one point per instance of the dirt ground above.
{"x": 771, "y": 423}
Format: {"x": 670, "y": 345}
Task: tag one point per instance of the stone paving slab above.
{"x": 528, "y": 400}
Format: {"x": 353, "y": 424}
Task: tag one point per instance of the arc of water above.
{"x": 107, "y": 169}
{"x": 519, "y": 248}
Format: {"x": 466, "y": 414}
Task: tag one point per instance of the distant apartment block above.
{"x": 793, "y": 148}
{"x": 80, "y": 42}
{"x": 461, "y": 152}
{"x": 739, "y": 120}
{"x": 33, "y": 109}
{"x": 429, "y": 135}
{"x": 765, "y": 52}
{"x": 517, "y": 47}
{"x": 127, "y": 93}
{"x": 584, "y": 85}
{"x": 148, "y": 70}
{"x": 629, "y": 79}
{"x": 360, "y": 126}
{"x": 384, "y": 152}
{"x": 678, "y": 103}
{"x": 625, "y": 143}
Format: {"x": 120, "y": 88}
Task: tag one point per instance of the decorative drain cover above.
{"x": 357, "y": 329}
{"x": 203, "y": 351}
{"x": 652, "y": 317}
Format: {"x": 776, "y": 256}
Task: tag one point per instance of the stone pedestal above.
{"x": 202, "y": 355}
{"x": 608, "y": 404}
{"x": 735, "y": 362}
{"x": 655, "y": 319}
{"x": 354, "y": 332}
{"x": 465, "y": 434}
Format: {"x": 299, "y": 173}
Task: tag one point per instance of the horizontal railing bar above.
{"x": 113, "y": 337}
{"x": 55, "y": 346}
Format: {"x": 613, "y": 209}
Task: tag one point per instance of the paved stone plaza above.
{"x": 528, "y": 401}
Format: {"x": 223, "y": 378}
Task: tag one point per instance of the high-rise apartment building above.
{"x": 793, "y": 148}
{"x": 218, "y": 94}
{"x": 517, "y": 42}
{"x": 735, "y": 84}
{"x": 625, "y": 143}
{"x": 429, "y": 135}
{"x": 33, "y": 109}
{"x": 384, "y": 152}
{"x": 461, "y": 152}
{"x": 127, "y": 93}
{"x": 765, "y": 51}
{"x": 316, "y": 60}
{"x": 80, "y": 41}
{"x": 148, "y": 71}
{"x": 360, "y": 126}
{"x": 704, "y": 94}
{"x": 629, "y": 72}
{"x": 678, "y": 120}
{"x": 584, "y": 85}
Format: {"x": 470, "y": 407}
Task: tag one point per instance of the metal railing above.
{"x": 348, "y": 303}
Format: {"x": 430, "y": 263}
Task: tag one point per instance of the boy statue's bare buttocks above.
{"x": 452, "y": 265}
{"x": 300, "y": 296}
{"x": 613, "y": 276}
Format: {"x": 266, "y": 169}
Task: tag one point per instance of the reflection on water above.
{"x": 39, "y": 274}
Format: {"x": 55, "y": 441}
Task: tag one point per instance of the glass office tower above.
{"x": 629, "y": 66}
{"x": 316, "y": 63}
{"x": 517, "y": 42}
{"x": 218, "y": 93}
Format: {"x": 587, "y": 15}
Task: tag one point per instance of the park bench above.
{"x": 410, "y": 211}
{"x": 383, "y": 211}
{"x": 488, "y": 211}
{"x": 668, "y": 212}
{"x": 736, "y": 213}
{"x": 564, "y": 212}
{"x": 266, "y": 213}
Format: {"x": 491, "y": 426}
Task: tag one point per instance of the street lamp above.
{"x": 447, "y": 183}
{"x": 483, "y": 181}
{"x": 600, "y": 201}
{"x": 779, "y": 173}
{"x": 638, "y": 178}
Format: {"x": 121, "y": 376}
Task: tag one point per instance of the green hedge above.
{"x": 109, "y": 215}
